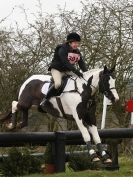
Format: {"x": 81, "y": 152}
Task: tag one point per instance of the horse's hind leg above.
{"x": 24, "y": 122}
{"x": 12, "y": 125}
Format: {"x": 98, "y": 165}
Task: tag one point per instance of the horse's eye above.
{"x": 113, "y": 75}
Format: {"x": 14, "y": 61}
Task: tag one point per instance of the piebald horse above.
{"x": 76, "y": 100}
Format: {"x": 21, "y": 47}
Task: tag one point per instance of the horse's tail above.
{"x": 7, "y": 116}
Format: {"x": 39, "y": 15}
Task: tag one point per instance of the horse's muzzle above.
{"x": 116, "y": 99}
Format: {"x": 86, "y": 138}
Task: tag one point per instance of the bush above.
{"x": 81, "y": 162}
{"x": 19, "y": 163}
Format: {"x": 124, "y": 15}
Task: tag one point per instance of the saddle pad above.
{"x": 69, "y": 86}
{"x": 45, "y": 88}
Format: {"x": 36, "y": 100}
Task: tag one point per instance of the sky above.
{"x": 11, "y": 9}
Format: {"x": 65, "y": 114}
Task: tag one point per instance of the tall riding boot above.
{"x": 51, "y": 92}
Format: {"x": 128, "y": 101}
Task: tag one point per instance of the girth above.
{"x": 60, "y": 106}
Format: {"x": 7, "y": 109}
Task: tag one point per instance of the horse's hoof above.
{"x": 96, "y": 159}
{"x": 107, "y": 161}
{"x": 10, "y": 126}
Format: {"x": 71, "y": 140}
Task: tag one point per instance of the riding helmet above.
{"x": 73, "y": 37}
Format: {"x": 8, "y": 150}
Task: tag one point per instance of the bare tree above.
{"x": 106, "y": 28}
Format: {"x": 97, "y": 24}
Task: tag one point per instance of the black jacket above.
{"x": 65, "y": 57}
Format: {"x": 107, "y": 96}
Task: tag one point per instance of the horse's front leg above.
{"x": 86, "y": 137}
{"x": 91, "y": 121}
{"x": 105, "y": 157}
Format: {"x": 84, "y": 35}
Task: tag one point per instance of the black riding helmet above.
{"x": 73, "y": 37}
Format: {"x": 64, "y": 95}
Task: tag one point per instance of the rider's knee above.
{"x": 57, "y": 85}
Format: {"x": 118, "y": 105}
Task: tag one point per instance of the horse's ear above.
{"x": 90, "y": 80}
{"x": 105, "y": 69}
{"x": 112, "y": 69}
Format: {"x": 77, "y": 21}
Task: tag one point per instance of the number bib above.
{"x": 73, "y": 57}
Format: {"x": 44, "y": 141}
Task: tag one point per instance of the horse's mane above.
{"x": 91, "y": 72}
{"x": 95, "y": 70}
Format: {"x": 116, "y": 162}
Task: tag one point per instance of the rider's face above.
{"x": 75, "y": 44}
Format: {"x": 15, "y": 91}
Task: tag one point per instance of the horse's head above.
{"x": 107, "y": 84}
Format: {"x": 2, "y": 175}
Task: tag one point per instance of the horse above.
{"x": 77, "y": 100}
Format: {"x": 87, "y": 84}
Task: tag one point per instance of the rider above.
{"x": 65, "y": 56}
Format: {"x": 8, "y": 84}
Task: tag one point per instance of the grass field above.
{"x": 126, "y": 170}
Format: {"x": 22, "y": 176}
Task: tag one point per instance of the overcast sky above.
{"x": 48, "y": 6}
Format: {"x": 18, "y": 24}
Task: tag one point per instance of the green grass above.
{"x": 126, "y": 170}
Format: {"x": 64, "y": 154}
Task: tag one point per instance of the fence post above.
{"x": 60, "y": 152}
{"x": 114, "y": 151}
{"x": 113, "y": 146}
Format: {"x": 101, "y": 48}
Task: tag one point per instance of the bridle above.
{"x": 106, "y": 92}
